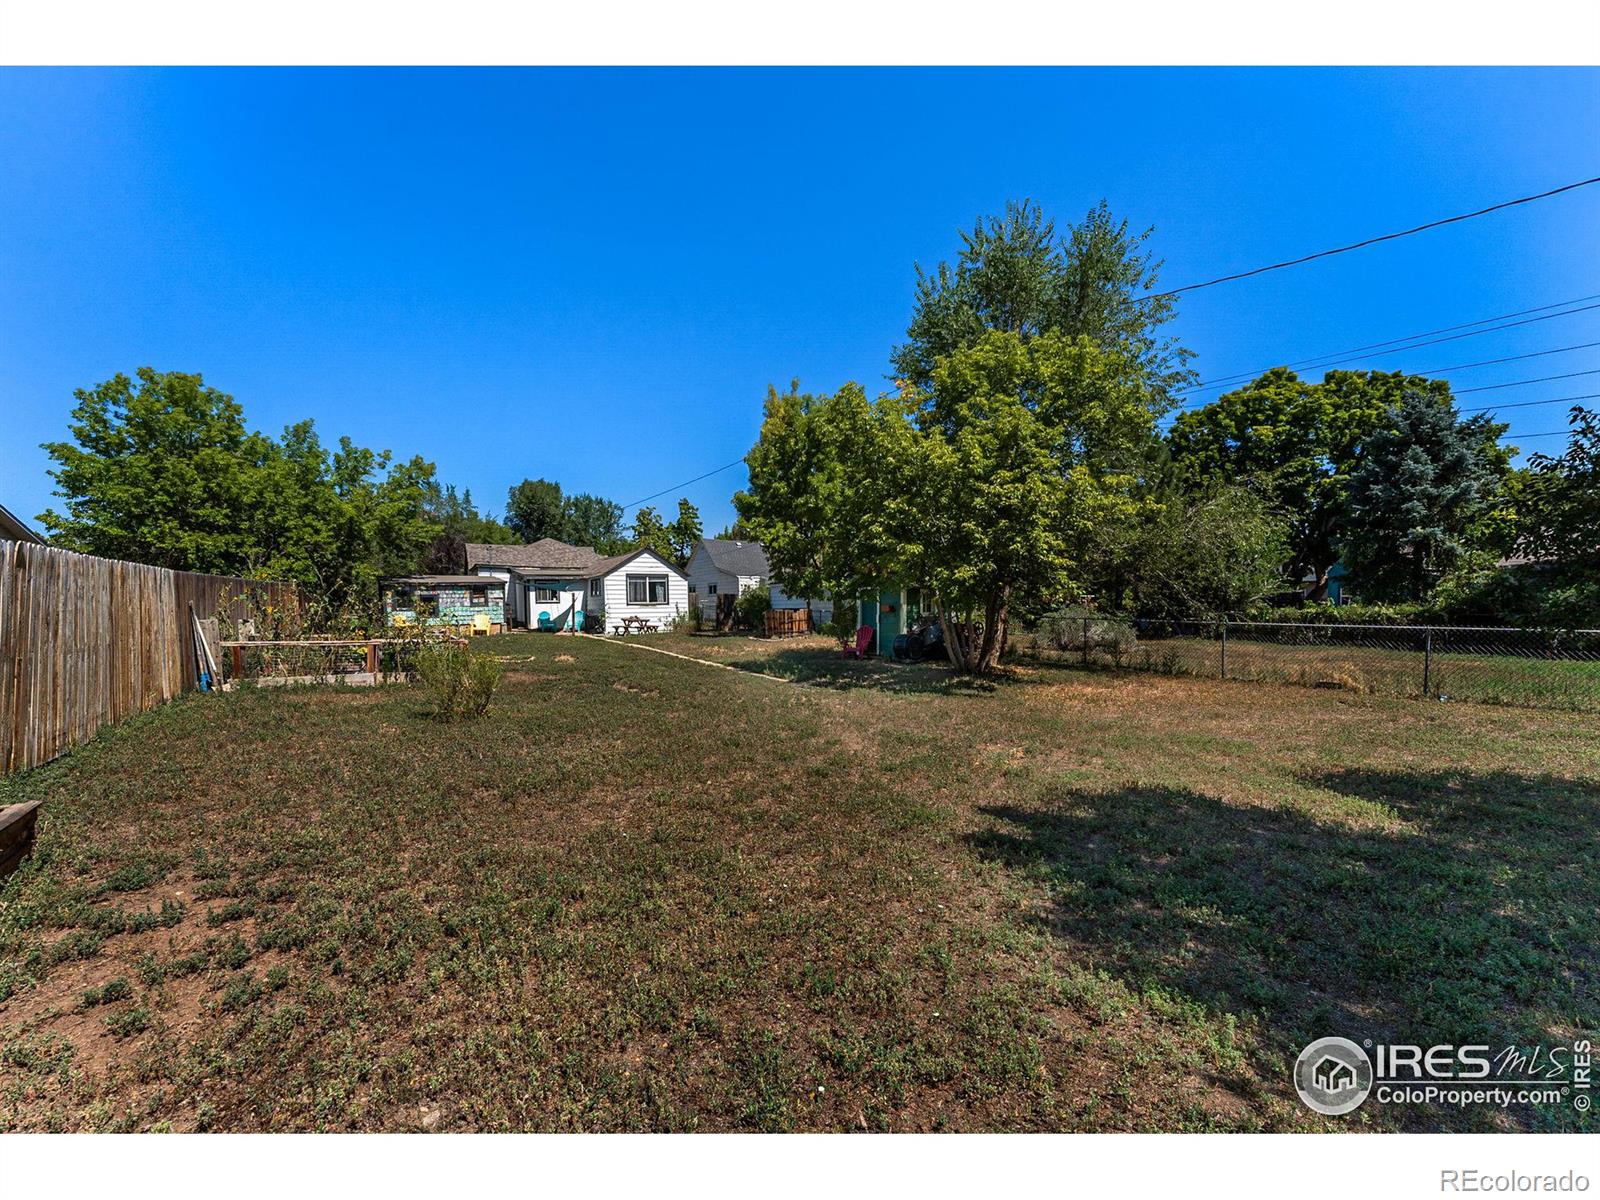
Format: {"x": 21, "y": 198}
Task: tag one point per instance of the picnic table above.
{"x": 634, "y": 625}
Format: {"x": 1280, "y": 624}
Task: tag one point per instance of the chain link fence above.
{"x": 1534, "y": 667}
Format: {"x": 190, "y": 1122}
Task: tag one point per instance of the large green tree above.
{"x": 1014, "y": 274}
{"x": 819, "y": 490}
{"x": 160, "y": 469}
{"x": 1295, "y": 443}
{"x": 590, "y": 520}
{"x": 163, "y": 470}
{"x": 651, "y": 533}
{"x": 1425, "y": 479}
{"x": 1558, "y": 501}
{"x": 535, "y": 508}
{"x": 1022, "y": 446}
{"x": 459, "y": 522}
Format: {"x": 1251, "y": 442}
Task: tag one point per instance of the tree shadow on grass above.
{"x": 831, "y": 669}
{"x": 1473, "y": 920}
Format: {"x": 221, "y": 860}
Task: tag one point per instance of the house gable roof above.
{"x": 12, "y": 527}
{"x": 736, "y": 558}
{"x": 547, "y": 554}
{"x": 606, "y": 566}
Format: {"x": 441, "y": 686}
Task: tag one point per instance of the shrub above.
{"x": 750, "y": 609}
{"x": 462, "y": 683}
{"x": 844, "y": 623}
{"x": 1066, "y": 628}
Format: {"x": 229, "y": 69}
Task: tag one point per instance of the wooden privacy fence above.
{"x": 87, "y": 641}
{"x": 788, "y": 622}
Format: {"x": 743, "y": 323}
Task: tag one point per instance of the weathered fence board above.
{"x": 87, "y": 641}
{"x": 787, "y": 622}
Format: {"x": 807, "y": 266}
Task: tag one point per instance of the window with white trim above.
{"x": 595, "y": 586}
{"x": 711, "y": 589}
{"x": 545, "y": 591}
{"x": 647, "y": 589}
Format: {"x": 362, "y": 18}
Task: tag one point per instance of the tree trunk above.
{"x": 996, "y": 614}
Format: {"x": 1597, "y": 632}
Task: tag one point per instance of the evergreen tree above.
{"x": 1424, "y": 480}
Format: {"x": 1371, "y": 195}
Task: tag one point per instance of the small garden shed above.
{"x": 468, "y": 603}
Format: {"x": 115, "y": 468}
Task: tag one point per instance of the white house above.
{"x": 724, "y": 567}
{"x": 551, "y": 585}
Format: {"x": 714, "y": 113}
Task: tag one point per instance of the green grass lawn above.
{"x": 646, "y": 894}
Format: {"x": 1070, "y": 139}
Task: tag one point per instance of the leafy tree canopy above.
{"x": 1296, "y": 444}
{"x": 1558, "y": 503}
{"x": 536, "y": 509}
{"x": 162, "y": 469}
{"x": 1014, "y": 274}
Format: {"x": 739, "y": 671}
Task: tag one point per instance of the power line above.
{"x": 1495, "y": 387}
{"x": 1486, "y": 362}
{"x": 655, "y": 495}
{"x": 1319, "y": 365}
{"x": 1293, "y": 262}
{"x": 1397, "y": 344}
{"x": 1522, "y": 437}
{"x": 1372, "y": 241}
{"x": 1532, "y": 403}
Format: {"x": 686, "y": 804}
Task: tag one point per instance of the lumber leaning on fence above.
{"x": 87, "y": 641}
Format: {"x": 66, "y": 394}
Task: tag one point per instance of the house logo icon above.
{"x": 1333, "y": 1076}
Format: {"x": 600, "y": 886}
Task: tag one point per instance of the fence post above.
{"x": 1224, "y": 647}
{"x": 372, "y": 658}
{"x": 1085, "y": 646}
{"x": 238, "y": 662}
{"x": 1427, "y": 662}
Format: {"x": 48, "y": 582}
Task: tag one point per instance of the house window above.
{"x": 427, "y": 602}
{"x": 595, "y": 586}
{"x": 647, "y": 589}
{"x": 545, "y": 591}
{"x": 711, "y": 589}
{"x": 478, "y": 597}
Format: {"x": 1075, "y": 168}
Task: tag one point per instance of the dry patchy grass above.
{"x": 645, "y": 894}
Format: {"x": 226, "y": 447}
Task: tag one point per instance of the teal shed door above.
{"x": 890, "y": 623}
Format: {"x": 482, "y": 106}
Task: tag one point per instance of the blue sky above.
{"x": 592, "y": 275}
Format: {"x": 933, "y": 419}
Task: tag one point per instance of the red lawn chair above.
{"x": 863, "y": 640}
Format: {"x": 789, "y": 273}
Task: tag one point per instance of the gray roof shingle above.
{"x": 737, "y": 558}
{"x": 547, "y": 554}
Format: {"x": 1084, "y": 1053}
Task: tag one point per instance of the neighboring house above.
{"x": 474, "y": 603}
{"x": 721, "y": 567}
{"x": 552, "y": 585}
{"x": 12, "y": 528}
{"x": 821, "y": 606}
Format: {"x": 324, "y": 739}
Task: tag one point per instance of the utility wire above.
{"x": 1532, "y": 403}
{"x": 1319, "y": 365}
{"x": 1293, "y": 262}
{"x": 1394, "y": 342}
{"x": 1487, "y": 362}
{"x": 1373, "y": 241}
{"x": 655, "y": 495}
{"x": 1495, "y": 387}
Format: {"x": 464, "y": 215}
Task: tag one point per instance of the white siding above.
{"x": 746, "y": 582}
{"x": 616, "y": 593}
{"x": 821, "y": 609}
{"x": 701, "y": 572}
